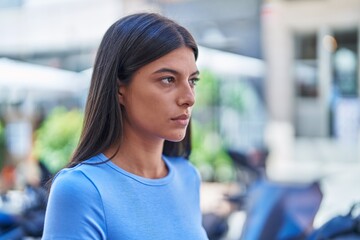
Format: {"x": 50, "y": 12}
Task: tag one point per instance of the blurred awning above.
{"x": 227, "y": 63}
{"x": 21, "y": 79}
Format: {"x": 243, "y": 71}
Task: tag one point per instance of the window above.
{"x": 305, "y": 67}
{"x": 345, "y": 62}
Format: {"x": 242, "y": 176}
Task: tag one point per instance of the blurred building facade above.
{"x": 312, "y": 53}
{"x": 231, "y": 25}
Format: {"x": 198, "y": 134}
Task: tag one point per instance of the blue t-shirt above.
{"x": 104, "y": 201}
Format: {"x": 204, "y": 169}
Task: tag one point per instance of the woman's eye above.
{"x": 193, "y": 81}
{"x": 167, "y": 80}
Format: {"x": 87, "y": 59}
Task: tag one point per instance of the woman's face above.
{"x": 160, "y": 97}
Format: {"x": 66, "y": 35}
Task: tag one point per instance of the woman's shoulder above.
{"x": 70, "y": 181}
{"x": 78, "y": 176}
{"x": 74, "y": 201}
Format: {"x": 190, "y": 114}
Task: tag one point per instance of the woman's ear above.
{"x": 121, "y": 93}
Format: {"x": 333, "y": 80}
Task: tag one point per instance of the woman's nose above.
{"x": 186, "y": 95}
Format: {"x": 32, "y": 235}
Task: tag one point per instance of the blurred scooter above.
{"x": 269, "y": 210}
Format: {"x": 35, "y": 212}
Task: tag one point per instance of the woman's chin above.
{"x": 176, "y": 138}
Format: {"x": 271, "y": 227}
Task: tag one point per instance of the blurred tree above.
{"x": 57, "y": 138}
{"x": 208, "y": 153}
{"x": 207, "y": 90}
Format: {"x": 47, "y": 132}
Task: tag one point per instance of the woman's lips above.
{"x": 181, "y": 120}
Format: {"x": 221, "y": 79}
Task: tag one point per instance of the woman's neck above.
{"x": 140, "y": 157}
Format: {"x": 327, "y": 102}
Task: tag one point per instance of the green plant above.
{"x": 57, "y": 138}
{"x": 208, "y": 153}
{"x": 207, "y": 89}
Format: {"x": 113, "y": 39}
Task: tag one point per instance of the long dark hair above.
{"x": 129, "y": 44}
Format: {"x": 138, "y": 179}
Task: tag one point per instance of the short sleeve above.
{"x": 75, "y": 209}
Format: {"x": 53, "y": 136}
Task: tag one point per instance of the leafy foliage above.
{"x": 57, "y": 138}
{"x": 207, "y": 90}
{"x": 208, "y": 153}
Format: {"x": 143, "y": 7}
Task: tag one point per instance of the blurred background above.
{"x": 279, "y": 87}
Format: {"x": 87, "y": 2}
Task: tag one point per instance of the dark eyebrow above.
{"x": 169, "y": 70}
{"x": 195, "y": 73}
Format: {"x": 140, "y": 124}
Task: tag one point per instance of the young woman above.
{"x": 129, "y": 178}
